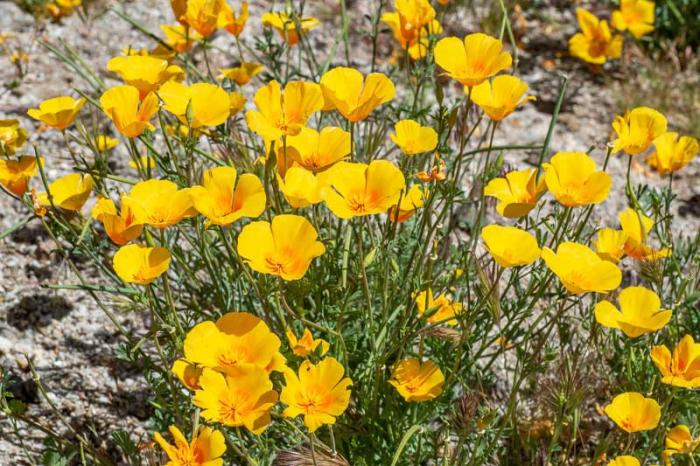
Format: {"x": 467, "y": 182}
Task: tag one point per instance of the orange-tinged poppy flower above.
{"x": 140, "y": 264}
{"x": 316, "y": 151}
{"x": 320, "y": 393}
{"x": 417, "y": 381}
{"x": 16, "y": 173}
{"x": 244, "y": 400}
{"x": 231, "y": 22}
{"x": 130, "y": 116}
{"x": 473, "y": 60}
{"x": 636, "y": 227}
{"x": 199, "y": 105}
{"x": 437, "y": 173}
{"x": 411, "y": 24}
{"x": 285, "y": 113}
{"x": 632, "y": 412}
{"x": 58, "y": 112}
{"x": 357, "y": 189}
{"x": 411, "y": 201}
{"x": 510, "y": 246}
{"x": 179, "y": 7}
{"x": 188, "y": 373}
{"x": 178, "y": 37}
{"x": 610, "y": 244}
{"x": 517, "y": 192}
{"x": 637, "y": 130}
{"x": 307, "y": 344}
{"x": 581, "y": 270}
{"x": 440, "y": 309}
{"x": 679, "y": 441}
{"x": 300, "y": 187}
{"x": 640, "y": 312}
{"x": 500, "y": 96}
{"x": 286, "y": 25}
{"x": 672, "y": 152}
{"x": 284, "y": 247}
{"x": 145, "y": 73}
{"x": 412, "y": 138}
{"x": 68, "y": 192}
{"x": 206, "y": 448}
{"x": 352, "y": 95}
{"x": 12, "y": 137}
{"x": 573, "y": 180}
{"x": 204, "y": 15}
{"x": 624, "y": 460}
{"x": 682, "y": 368}
{"x": 105, "y": 143}
{"x": 121, "y": 227}
{"x": 595, "y": 43}
{"x": 243, "y": 73}
{"x": 635, "y": 16}
{"x": 224, "y": 197}
{"x": 159, "y": 203}
{"x": 237, "y": 341}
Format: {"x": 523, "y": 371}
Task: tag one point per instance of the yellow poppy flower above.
{"x": 244, "y": 400}
{"x": 12, "y": 137}
{"x": 637, "y": 227}
{"x": 625, "y": 460}
{"x": 224, "y": 197}
{"x": 140, "y": 264}
{"x": 412, "y": 138}
{"x": 352, "y": 95}
{"x": 610, "y": 244}
{"x": 243, "y": 73}
{"x": 316, "y": 151}
{"x": 510, "y": 246}
{"x": 199, "y": 105}
{"x": 300, "y": 187}
{"x": 573, "y": 180}
{"x": 635, "y": 16}
{"x": 632, "y": 412}
{"x": 411, "y": 24}
{"x": 237, "y": 341}
{"x": 581, "y": 270}
{"x": 672, "y": 152}
{"x": 178, "y": 37}
{"x": 121, "y": 227}
{"x": 159, "y": 203}
{"x": 473, "y": 60}
{"x": 231, "y": 22}
{"x": 105, "y": 143}
{"x": 682, "y": 368}
{"x": 319, "y": 392}
{"x": 357, "y": 189}
{"x": 517, "y": 192}
{"x": 441, "y": 309}
{"x": 637, "y": 130}
{"x": 679, "y": 441}
{"x": 188, "y": 373}
{"x": 285, "y": 113}
{"x": 68, "y": 192}
{"x": 145, "y": 162}
{"x": 417, "y": 381}
{"x": 145, "y": 73}
{"x": 130, "y": 116}
{"x": 206, "y": 448}
{"x": 15, "y": 173}
{"x": 284, "y": 247}
{"x": 286, "y": 26}
{"x": 411, "y": 201}
{"x": 595, "y": 43}
{"x": 305, "y": 345}
{"x": 500, "y": 96}
{"x": 59, "y": 112}
{"x": 203, "y": 15}
{"x": 640, "y": 312}
{"x": 236, "y": 103}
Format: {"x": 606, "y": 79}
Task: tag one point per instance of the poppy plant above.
{"x": 679, "y": 441}
{"x": 682, "y": 368}
{"x": 178, "y": 37}
{"x": 610, "y": 244}
{"x": 640, "y": 312}
{"x": 411, "y": 201}
{"x": 625, "y": 460}
{"x": 204, "y": 16}
{"x": 510, "y": 246}
{"x": 411, "y": 24}
{"x": 581, "y": 270}
{"x": 672, "y": 152}
{"x": 243, "y": 73}
{"x": 188, "y": 373}
{"x": 500, "y": 96}
{"x": 300, "y": 187}
{"x": 205, "y": 449}
{"x": 573, "y": 180}
{"x": 417, "y": 381}
{"x": 159, "y": 203}
{"x": 473, "y": 60}
{"x": 632, "y": 412}
{"x": 637, "y": 130}
{"x": 121, "y": 227}
{"x": 70, "y": 192}
{"x": 289, "y": 28}
{"x": 517, "y": 192}
{"x": 199, "y": 105}
{"x": 231, "y": 22}
{"x": 595, "y": 43}
{"x": 353, "y": 96}
{"x": 12, "y": 137}
{"x": 636, "y": 227}
{"x": 16, "y": 173}
{"x": 635, "y": 16}
{"x": 105, "y": 143}
{"x": 140, "y": 264}
{"x": 440, "y": 309}
{"x": 145, "y": 73}
{"x": 412, "y": 138}
{"x": 58, "y": 112}
{"x": 307, "y": 344}
{"x": 130, "y": 115}
{"x": 317, "y": 150}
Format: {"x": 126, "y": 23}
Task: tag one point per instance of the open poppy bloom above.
{"x": 473, "y": 60}
{"x": 234, "y": 343}
{"x": 319, "y": 392}
{"x": 199, "y": 105}
{"x": 632, "y": 412}
{"x": 285, "y": 113}
{"x": 357, "y": 189}
{"x": 307, "y": 344}
{"x": 159, "y": 203}
{"x": 243, "y": 400}
{"x": 206, "y": 448}
{"x": 121, "y": 227}
{"x": 573, "y": 180}
{"x": 581, "y": 270}
{"x": 412, "y": 138}
{"x": 16, "y": 173}
{"x": 224, "y": 197}
{"x": 286, "y": 25}
{"x": 640, "y": 312}
{"x": 130, "y": 115}
{"x": 300, "y": 187}
{"x": 316, "y": 151}
{"x": 411, "y": 201}
{"x": 188, "y": 373}
{"x": 510, "y": 246}
{"x": 241, "y": 74}
{"x": 500, "y": 96}
{"x": 140, "y": 264}
{"x": 178, "y": 37}
{"x": 352, "y": 95}
{"x": 68, "y": 192}
{"x": 637, "y": 130}
{"x": 679, "y": 441}
{"x": 284, "y": 247}
{"x": 636, "y": 227}
{"x": 411, "y": 24}
{"x": 145, "y": 73}
{"x": 610, "y": 244}
{"x": 595, "y": 43}
{"x": 231, "y": 22}
{"x": 417, "y": 381}
{"x": 672, "y": 152}
{"x": 12, "y": 137}
{"x": 440, "y": 309}
{"x": 59, "y": 112}
{"x": 624, "y": 460}
{"x": 517, "y": 192}
{"x": 682, "y": 368}
{"x": 204, "y": 16}
{"x": 635, "y": 16}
